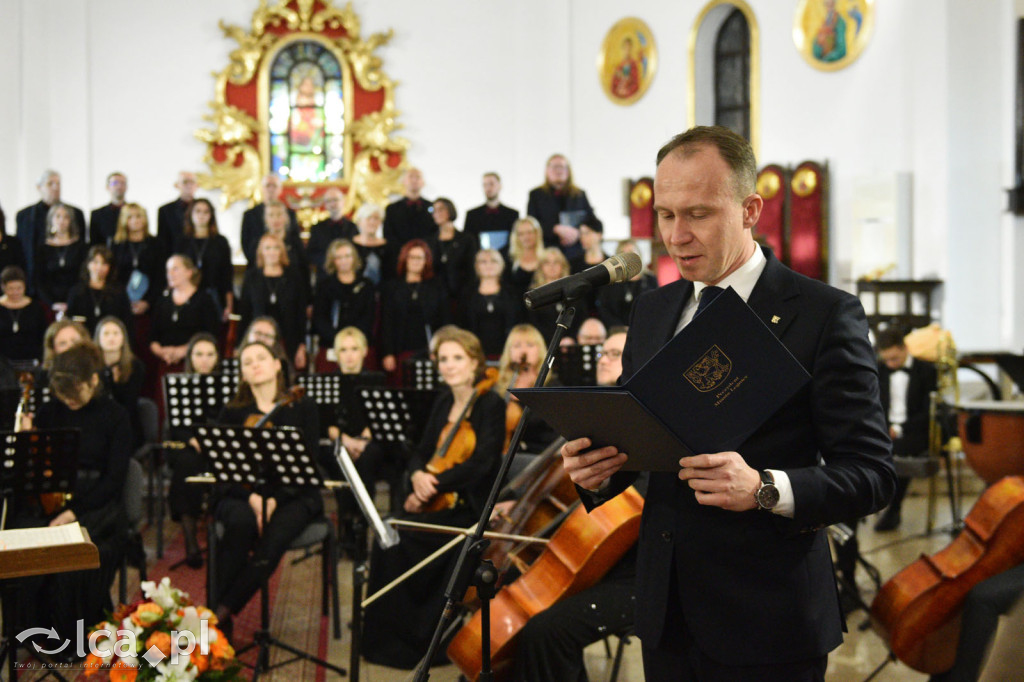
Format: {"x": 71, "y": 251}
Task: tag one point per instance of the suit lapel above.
{"x": 775, "y": 297}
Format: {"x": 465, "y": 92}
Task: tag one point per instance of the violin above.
{"x": 456, "y": 444}
{"x": 257, "y": 421}
{"x": 580, "y": 553}
{"x": 918, "y": 609}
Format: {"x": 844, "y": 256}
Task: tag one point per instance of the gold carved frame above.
{"x": 238, "y": 143}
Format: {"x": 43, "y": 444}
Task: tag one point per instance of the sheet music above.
{"x": 47, "y": 536}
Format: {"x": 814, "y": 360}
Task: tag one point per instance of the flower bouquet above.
{"x": 163, "y": 638}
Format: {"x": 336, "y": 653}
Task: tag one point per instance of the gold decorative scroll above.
{"x": 237, "y": 154}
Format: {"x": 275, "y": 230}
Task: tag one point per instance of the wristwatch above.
{"x": 767, "y": 496}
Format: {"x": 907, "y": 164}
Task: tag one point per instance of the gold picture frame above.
{"x": 627, "y": 61}
{"x": 831, "y": 34}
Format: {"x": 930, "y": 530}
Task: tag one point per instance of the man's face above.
{"x": 491, "y": 188}
{"x": 49, "y": 191}
{"x": 334, "y": 202}
{"x": 413, "y": 181}
{"x": 271, "y": 187}
{"x": 186, "y": 186}
{"x": 117, "y": 185}
{"x": 609, "y": 365}
{"x": 705, "y": 228}
{"x": 894, "y": 357}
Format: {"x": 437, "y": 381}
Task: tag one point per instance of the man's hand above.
{"x": 65, "y": 517}
{"x": 592, "y": 468}
{"x": 567, "y": 234}
{"x": 721, "y": 479}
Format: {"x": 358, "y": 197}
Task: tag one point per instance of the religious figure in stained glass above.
{"x": 306, "y": 114}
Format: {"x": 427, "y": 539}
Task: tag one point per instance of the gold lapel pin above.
{"x": 775, "y": 319}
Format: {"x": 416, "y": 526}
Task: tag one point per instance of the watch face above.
{"x": 768, "y": 496}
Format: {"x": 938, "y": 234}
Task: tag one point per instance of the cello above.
{"x": 918, "y": 609}
{"x": 582, "y": 550}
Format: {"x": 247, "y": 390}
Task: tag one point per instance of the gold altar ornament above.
{"x": 627, "y": 61}
{"x": 804, "y": 182}
{"x": 768, "y": 183}
{"x": 831, "y": 34}
{"x": 641, "y": 195}
{"x": 304, "y": 96}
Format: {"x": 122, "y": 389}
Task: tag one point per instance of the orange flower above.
{"x": 160, "y": 640}
{"x": 147, "y": 614}
{"x": 123, "y": 672}
{"x": 220, "y": 647}
{"x": 200, "y": 662}
{"x": 92, "y": 665}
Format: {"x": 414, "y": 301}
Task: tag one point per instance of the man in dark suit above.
{"x": 408, "y": 218}
{"x": 170, "y": 218}
{"x": 561, "y": 207}
{"x": 103, "y": 220}
{"x": 253, "y": 224}
{"x": 31, "y": 220}
{"x": 492, "y": 216}
{"x": 905, "y": 385}
{"x": 335, "y": 226}
{"x": 734, "y": 574}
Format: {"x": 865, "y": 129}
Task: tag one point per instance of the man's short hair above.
{"x": 493, "y": 175}
{"x": 734, "y": 149}
{"x": 115, "y": 174}
{"x": 890, "y": 337}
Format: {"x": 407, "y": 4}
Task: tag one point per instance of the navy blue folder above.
{"x": 707, "y": 390}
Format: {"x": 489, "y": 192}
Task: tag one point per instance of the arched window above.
{"x": 306, "y": 114}
{"x": 724, "y": 85}
{"x": 732, "y": 74}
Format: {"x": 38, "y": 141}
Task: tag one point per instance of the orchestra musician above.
{"x": 398, "y": 627}
{"x": 239, "y": 574}
{"x": 97, "y": 499}
{"x": 520, "y": 364}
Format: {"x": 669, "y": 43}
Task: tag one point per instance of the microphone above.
{"x": 619, "y": 268}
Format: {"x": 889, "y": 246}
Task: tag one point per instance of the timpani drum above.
{"x": 992, "y": 435}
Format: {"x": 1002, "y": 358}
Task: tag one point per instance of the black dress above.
{"x": 239, "y": 576}
{"x": 337, "y": 305}
{"x": 98, "y": 503}
{"x": 11, "y": 251}
{"x": 148, "y": 257}
{"x": 615, "y": 301}
{"x": 491, "y": 317}
{"x": 174, "y": 325}
{"x": 453, "y": 261}
{"x": 94, "y": 305}
{"x": 374, "y": 258}
{"x": 397, "y": 628}
{"x": 212, "y": 255}
{"x": 58, "y": 268}
{"x": 410, "y": 313}
{"x": 21, "y": 332}
{"x": 126, "y": 394}
{"x": 282, "y": 298}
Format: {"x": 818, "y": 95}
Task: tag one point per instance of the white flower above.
{"x": 176, "y": 672}
{"x": 190, "y": 621}
{"x": 129, "y": 624}
{"x": 164, "y": 595}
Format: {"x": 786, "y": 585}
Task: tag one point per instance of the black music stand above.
{"x": 32, "y": 463}
{"x": 337, "y": 395}
{"x": 577, "y": 365}
{"x": 397, "y": 415}
{"x": 190, "y": 400}
{"x": 263, "y": 457}
{"x": 421, "y": 373}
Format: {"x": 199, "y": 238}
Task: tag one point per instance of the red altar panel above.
{"x": 808, "y": 225}
{"x": 771, "y": 185}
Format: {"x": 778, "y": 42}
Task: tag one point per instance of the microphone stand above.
{"x": 469, "y": 569}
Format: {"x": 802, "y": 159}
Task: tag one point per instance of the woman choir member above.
{"x": 139, "y": 259}
{"x": 181, "y": 312}
{"x": 97, "y": 499}
{"x": 273, "y": 288}
{"x": 413, "y": 306}
{"x": 22, "y": 320}
{"x": 185, "y": 499}
{"x": 261, "y": 392}
{"x": 453, "y": 250}
{"x": 520, "y": 364}
{"x": 343, "y": 298}
{"x": 98, "y": 295}
{"x": 488, "y": 309}
{"x": 524, "y": 252}
{"x": 59, "y": 259}
{"x": 398, "y": 627}
{"x": 60, "y": 336}
{"x": 277, "y": 221}
{"x": 211, "y": 253}
{"x": 553, "y": 265}
{"x": 369, "y": 243}
{"x": 123, "y": 373}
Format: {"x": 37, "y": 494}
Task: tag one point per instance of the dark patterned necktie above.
{"x": 708, "y": 295}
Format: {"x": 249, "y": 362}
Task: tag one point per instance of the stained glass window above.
{"x": 732, "y": 74}
{"x": 307, "y": 114}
